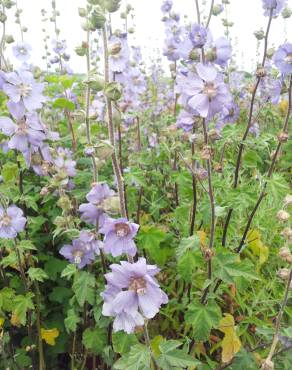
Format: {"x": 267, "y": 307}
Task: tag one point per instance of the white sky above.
{"x": 247, "y": 16}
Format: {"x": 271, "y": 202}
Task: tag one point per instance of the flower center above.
{"x": 25, "y": 90}
{"x": 5, "y": 220}
{"x": 288, "y": 58}
{"x": 210, "y": 90}
{"x": 22, "y": 51}
{"x": 77, "y": 256}
{"x": 138, "y": 285}
{"x": 116, "y": 48}
{"x": 22, "y": 126}
{"x": 122, "y": 230}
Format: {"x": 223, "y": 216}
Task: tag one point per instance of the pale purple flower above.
{"x": 119, "y": 234}
{"x": 171, "y": 49}
{"x": 22, "y": 89}
{"x": 66, "y": 166}
{"x": 166, "y": 6}
{"x": 283, "y": 58}
{"x": 205, "y": 92}
{"x": 93, "y": 211}
{"x": 185, "y": 120}
{"x": 275, "y": 5}
{"x": 21, "y": 51}
{"x": 26, "y": 131}
{"x": 83, "y": 249}
{"x": 119, "y": 53}
{"x": 230, "y": 113}
{"x": 220, "y": 52}
{"x": 198, "y": 35}
{"x": 59, "y": 47}
{"x": 12, "y": 222}
{"x": 132, "y": 293}
{"x": 270, "y": 89}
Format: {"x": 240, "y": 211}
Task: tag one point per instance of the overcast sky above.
{"x": 247, "y": 16}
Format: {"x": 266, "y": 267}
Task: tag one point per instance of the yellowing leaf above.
{"x": 15, "y": 321}
{"x": 231, "y": 343}
{"x": 257, "y": 246}
{"x": 1, "y": 321}
{"x": 202, "y": 236}
{"x": 49, "y": 335}
{"x": 155, "y": 342}
{"x": 283, "y": 106}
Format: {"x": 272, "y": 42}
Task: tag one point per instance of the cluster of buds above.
{"x": 283, "y": 215}
{"x": 285, "y": 254}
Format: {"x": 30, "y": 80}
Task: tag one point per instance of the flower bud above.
{"x": 113, "y": 91}
{"x": 286, "y": 13}
{"x": 288, "y": 200}
{"x": 285, "y": 254}
{"x": 82, "y": 12}
{"x": 260, "y": 35}
{"x": 3, "y": 17}
{"x": 44, "y": 191}
{"x": 214, "y": 135}
{"x": 283, "y": 137}
{"x": 270, "y": 52}
{"x": 283, "y": 273}
{"x": 79, "y": 50}
{"x": 261, "y": 72}
{"x": 218, "y": 167}
{"x": 8, "y": 4}
{"x": 24, "y": 29}
{"x": 97, "y": 18}
{"x": 201, "y": 173}
{"x": 64, "y": 203}
{"x": 104, "y": 149}
{"x": 267, "y": 365}
{"x": 206, "y": 152}
{"x": 9, "y": 39}
{"x": 115, "y": 49}
{"x": 287, "y": 233}
{"x": 112, "y": 5}
{"x": 283, "y": 215}
{"x": 217, "y": 9}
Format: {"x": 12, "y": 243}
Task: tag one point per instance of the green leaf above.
{"x": 243, "y": 360}
{"x": 94, "y": 339}
{"x": 83, "y": 287}
{"x": 187, "y": 264}
{"x": 21, "y": 305}
{"x": 122, "y": 342}
{"x": 60, "y": 294}
{"x": 71, "y": 320}
{"x": 64, "y": 104}
{"x": 227, "y": 266}
{"x": 203, "y": 318}
{"x": 69, "y": 271}
{"x": 26, "y": 245}
{"x": 37, "y": 274}
{"x": 188, "y": 244}
{"x": 138, "y": 358}
{"x": 9, "y": 171}
{"x": 149, "y": 238}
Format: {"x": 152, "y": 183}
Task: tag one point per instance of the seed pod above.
{"x": 79, "y": 50}
{"x": 112, "y": 5}
{"x": 283, "y": 215}
{"x": 113, "y": 91}
{"x": 286, "y": 13}
{"x": 288, "y": 200}
{"x": 82, "y": 12}
{"x": 285, "y": 254}
{"x": 283, "y": 274}
{"x": 283, "y": 137}
{"x": 9, "y": 39}
{"x": 97, "y": 18}
{"x": 260, "y": 35}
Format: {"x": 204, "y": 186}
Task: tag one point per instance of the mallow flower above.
{"x": 218, "y": 51}
{"x": 198, "y": 35}
{"x": 119, "y": 234}
{"x": 83, "y": 249}
{"x": 132, "y": 294}
{"x": 12, "y": 222}
{"x": 21, "y": 51}
{"x": 205, "y": 92}
{"x": 275, "y": 5}
{"x": 92, "y": 212}
{"x": 25, "y": 132}
{"x": 166, "y": 6}
{"x": 283, "y": 58}
{"x": 22, "y": 89}
{"x": 119, "y": 53}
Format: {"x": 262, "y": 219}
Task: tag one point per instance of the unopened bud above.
{"x": 112, "y": 5}
{"x": 283, "y": 215}
{"x": 286, "y": 13}
{"x": 214, "y": 135}
{"x": 261, "y": 72}
{"x": 113, "y": 91}
{"x": 217, "y": 9}
{"x": 283, "y": 273}
{"x": 206, "y": 152}
{"x": 283, "y": 137}
{"x": 288, "y": 200}
{"x": 82, "y": 12}
{"x": 44, "y": 191}
{"x": 287, "y": 233}
{"x": 79, "y": 50}
{"x": 285, "y": 254}
{"x": 267, "y": 365}
{"x": 218, "y": 167}
{"x": 9, "y": 39}
{"x": 260, "y": 35}
{"x": 97, "y": 18}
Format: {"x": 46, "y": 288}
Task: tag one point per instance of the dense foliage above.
{"x": 144, "y": 217}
